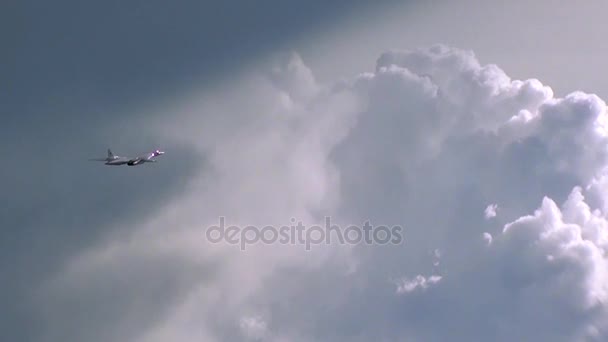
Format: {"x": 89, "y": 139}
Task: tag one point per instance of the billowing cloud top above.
{"x": 425, "y": 141}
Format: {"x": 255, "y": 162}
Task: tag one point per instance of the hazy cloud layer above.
{"x": 427, "y": 140}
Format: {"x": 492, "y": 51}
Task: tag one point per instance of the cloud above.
{"x": 487, "y": 237}
{"x": 253, "y": 327}
{"x": 424, "y": 141}
{"x": 409, "y": 285}
{"x": 490, "y": 211}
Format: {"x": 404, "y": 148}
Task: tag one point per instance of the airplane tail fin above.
{"x": 110, "y": 154}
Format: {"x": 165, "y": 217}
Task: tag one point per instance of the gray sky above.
{"x": 562, "y": 44}
{"x": 77, "y": 237}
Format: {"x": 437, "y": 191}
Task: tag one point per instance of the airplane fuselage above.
{"x": 114, "y": 160}
{"x": 117, "y": 161}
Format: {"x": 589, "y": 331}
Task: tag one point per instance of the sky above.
{"x": 561, "y": 44}
{"x": 478, "y": 128}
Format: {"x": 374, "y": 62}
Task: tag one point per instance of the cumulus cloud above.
{"x": 487, "y": 237}
{"x": 424, "y": 141}
{"x": 490, "y": 211}
{"x": 408, "y": 285}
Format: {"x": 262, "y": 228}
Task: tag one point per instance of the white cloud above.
{"x": 253, "y": 327}
{"x": 490, "y": 211}
{"x": 487, "y": 237}
{"x": 408, "y": 285}
{"x": 424, "y": 141}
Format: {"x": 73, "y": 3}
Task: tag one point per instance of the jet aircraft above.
{"x": 112, "y": 159}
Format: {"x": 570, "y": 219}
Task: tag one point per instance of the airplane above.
{"x": 112, "y": 159}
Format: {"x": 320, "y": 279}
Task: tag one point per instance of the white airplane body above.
{"x": 117, "y": 160}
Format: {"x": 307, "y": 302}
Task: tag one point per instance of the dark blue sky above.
{"x": 117, "y": 51}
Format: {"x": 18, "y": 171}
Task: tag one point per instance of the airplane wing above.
{"x": 98, "y": 159}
